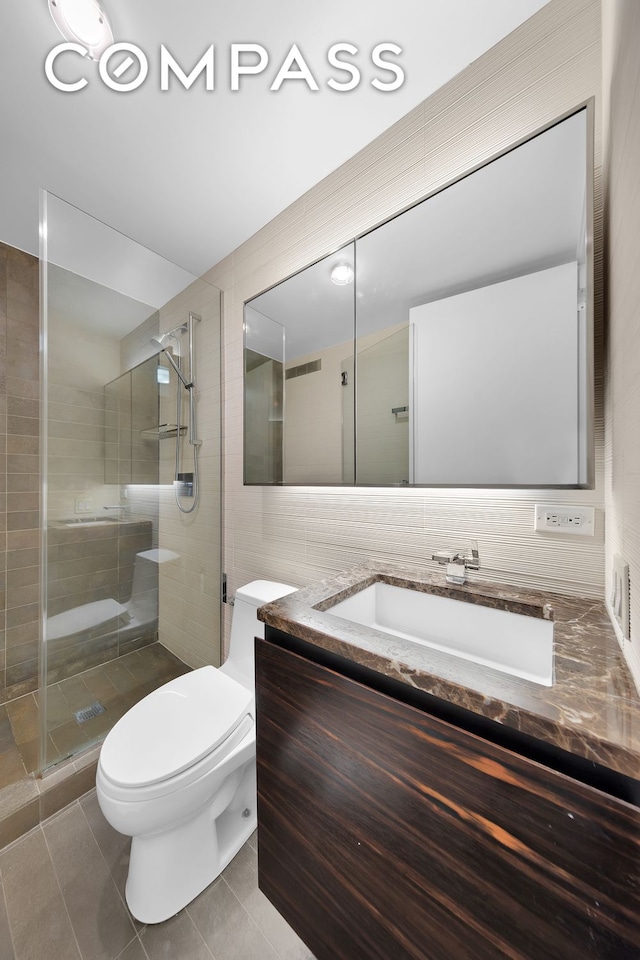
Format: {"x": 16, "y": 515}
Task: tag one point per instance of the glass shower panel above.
{"x": 112, "y": 538}
{"x": 117, "y": 430}
{"x": 145, "y": 411}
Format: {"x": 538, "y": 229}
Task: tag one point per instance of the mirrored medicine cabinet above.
{"x": 451, "y": 346}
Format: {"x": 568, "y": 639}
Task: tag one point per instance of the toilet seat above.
{"x": 186, "y": 727}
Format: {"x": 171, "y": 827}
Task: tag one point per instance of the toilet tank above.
{"x": 245, "y": 626}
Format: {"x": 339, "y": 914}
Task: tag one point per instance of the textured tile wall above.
{"x": 621, "y": 30}
{"x": 19, "y": 471}
{"x": 190, "y": 584}
{"x": 548, "y": 66}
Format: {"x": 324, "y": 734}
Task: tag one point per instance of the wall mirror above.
{"x": 450, "y": 346}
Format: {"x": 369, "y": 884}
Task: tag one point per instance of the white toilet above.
{"x": 177, "y": 773}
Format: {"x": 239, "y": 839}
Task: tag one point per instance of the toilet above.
{"x": 177, "y": 773}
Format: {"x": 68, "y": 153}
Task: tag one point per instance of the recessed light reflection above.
{"x": 342, "y": 274}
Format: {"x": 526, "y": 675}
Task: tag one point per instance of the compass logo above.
{"x": 124, "y": 67}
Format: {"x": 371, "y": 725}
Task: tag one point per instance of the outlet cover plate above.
{"x": 620, "y": 594}
{"x": 564, "y": 519}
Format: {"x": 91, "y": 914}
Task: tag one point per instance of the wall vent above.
{"x": 303, "y": 369}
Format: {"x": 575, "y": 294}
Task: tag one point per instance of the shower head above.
{"x": 161, "y": 341}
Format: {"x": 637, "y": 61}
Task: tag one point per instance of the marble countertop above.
{"x": 592, "y": 709}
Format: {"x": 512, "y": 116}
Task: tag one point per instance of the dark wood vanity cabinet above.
{"x": 385, "y": 832}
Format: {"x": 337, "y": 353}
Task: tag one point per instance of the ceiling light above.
{"x": 342, "y": 274}
{"x": 83, "y": 22}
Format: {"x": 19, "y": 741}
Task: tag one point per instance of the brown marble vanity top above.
{"x": 592, "y": 709}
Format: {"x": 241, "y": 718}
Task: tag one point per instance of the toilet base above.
{"x": 168, "y": 870}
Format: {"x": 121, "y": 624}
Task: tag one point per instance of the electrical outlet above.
{"x": 564, "y": 519}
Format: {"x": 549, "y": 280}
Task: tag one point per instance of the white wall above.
{"x": 545, "y": 68}
{"x": 621, "y": 30}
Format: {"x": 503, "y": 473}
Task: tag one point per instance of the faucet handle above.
{"x": 470, "y": 558}
{"x": 443, "y": 557}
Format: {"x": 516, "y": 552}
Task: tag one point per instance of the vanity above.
{"x": 419, "y": 802}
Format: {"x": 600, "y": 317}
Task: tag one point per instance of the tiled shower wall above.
{"x": 190, "y": 582}
{"x": 548, "y": 66}
{"x": 621, "y": 28}
{"x": 19, "y": 471}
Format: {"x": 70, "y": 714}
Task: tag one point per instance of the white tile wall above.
{"x": 621, "y": 31}
{"x": 190, "y": 586}
{"x": 548, "y": 66}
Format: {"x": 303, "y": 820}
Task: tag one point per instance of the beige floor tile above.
{"x": 30, "y": 754}
{"x": 75, "y": 692}
{"x": 6, "y": 944}
{"x": 7, "y": 740}
{"x": 12, "y": 769}
{"x": 99, "y": 683}
{"x": 69, "y": 737}
{"x": 114, "y": 847}
{"x": 119, "y": 675}
{"x": 23, "y": 714}
{"x": 100, "y": 921}
{"x": 242, "y": 873}
{"x": 38, "y": 918}
{"x": 226, "y": 927}
{"x": 88, "y": 860}
{"x": 135, "y": 951}
{"x": 177, "y": 937}
{"x": 58, "y": 710}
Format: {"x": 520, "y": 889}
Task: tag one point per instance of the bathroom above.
{"x": 299, "y": 535}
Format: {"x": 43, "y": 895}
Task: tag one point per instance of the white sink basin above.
{"x": 516, "y": 644}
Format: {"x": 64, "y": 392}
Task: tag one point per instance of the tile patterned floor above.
{"x": 117, "y": 685}
{"x": 62, "y": 897}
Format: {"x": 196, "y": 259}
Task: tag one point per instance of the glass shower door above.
{"x": 118, "y": 559}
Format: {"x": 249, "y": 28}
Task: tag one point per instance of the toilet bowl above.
{"x": 177, "y": 773}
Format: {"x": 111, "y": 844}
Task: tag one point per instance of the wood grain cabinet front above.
{"x": 386, "y": 833}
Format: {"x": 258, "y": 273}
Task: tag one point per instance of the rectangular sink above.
{"x": 513, "y": 643}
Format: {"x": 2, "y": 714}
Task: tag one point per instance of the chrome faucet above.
{"x": 458, "y": 563}
{"x": 117, "y": 506}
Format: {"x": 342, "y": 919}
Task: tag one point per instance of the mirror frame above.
{"x": 589, "y": 361}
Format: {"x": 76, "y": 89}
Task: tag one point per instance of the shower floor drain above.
{"x": 88, "y": 713}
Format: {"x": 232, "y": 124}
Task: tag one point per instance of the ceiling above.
{"x": 192, "y": 174}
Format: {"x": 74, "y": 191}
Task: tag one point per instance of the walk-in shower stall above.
{"x": 130, "y": 482}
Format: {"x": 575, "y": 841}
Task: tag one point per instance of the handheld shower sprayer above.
{"x": 162, "y": 342}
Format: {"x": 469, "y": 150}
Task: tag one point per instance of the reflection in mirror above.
{"x": 299, "y": 377}
{"x": 488, "y": 276}
{"x": 263, "y": 398}
{"x": 131, "y": 423}
{"x": 473, "y": 350}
